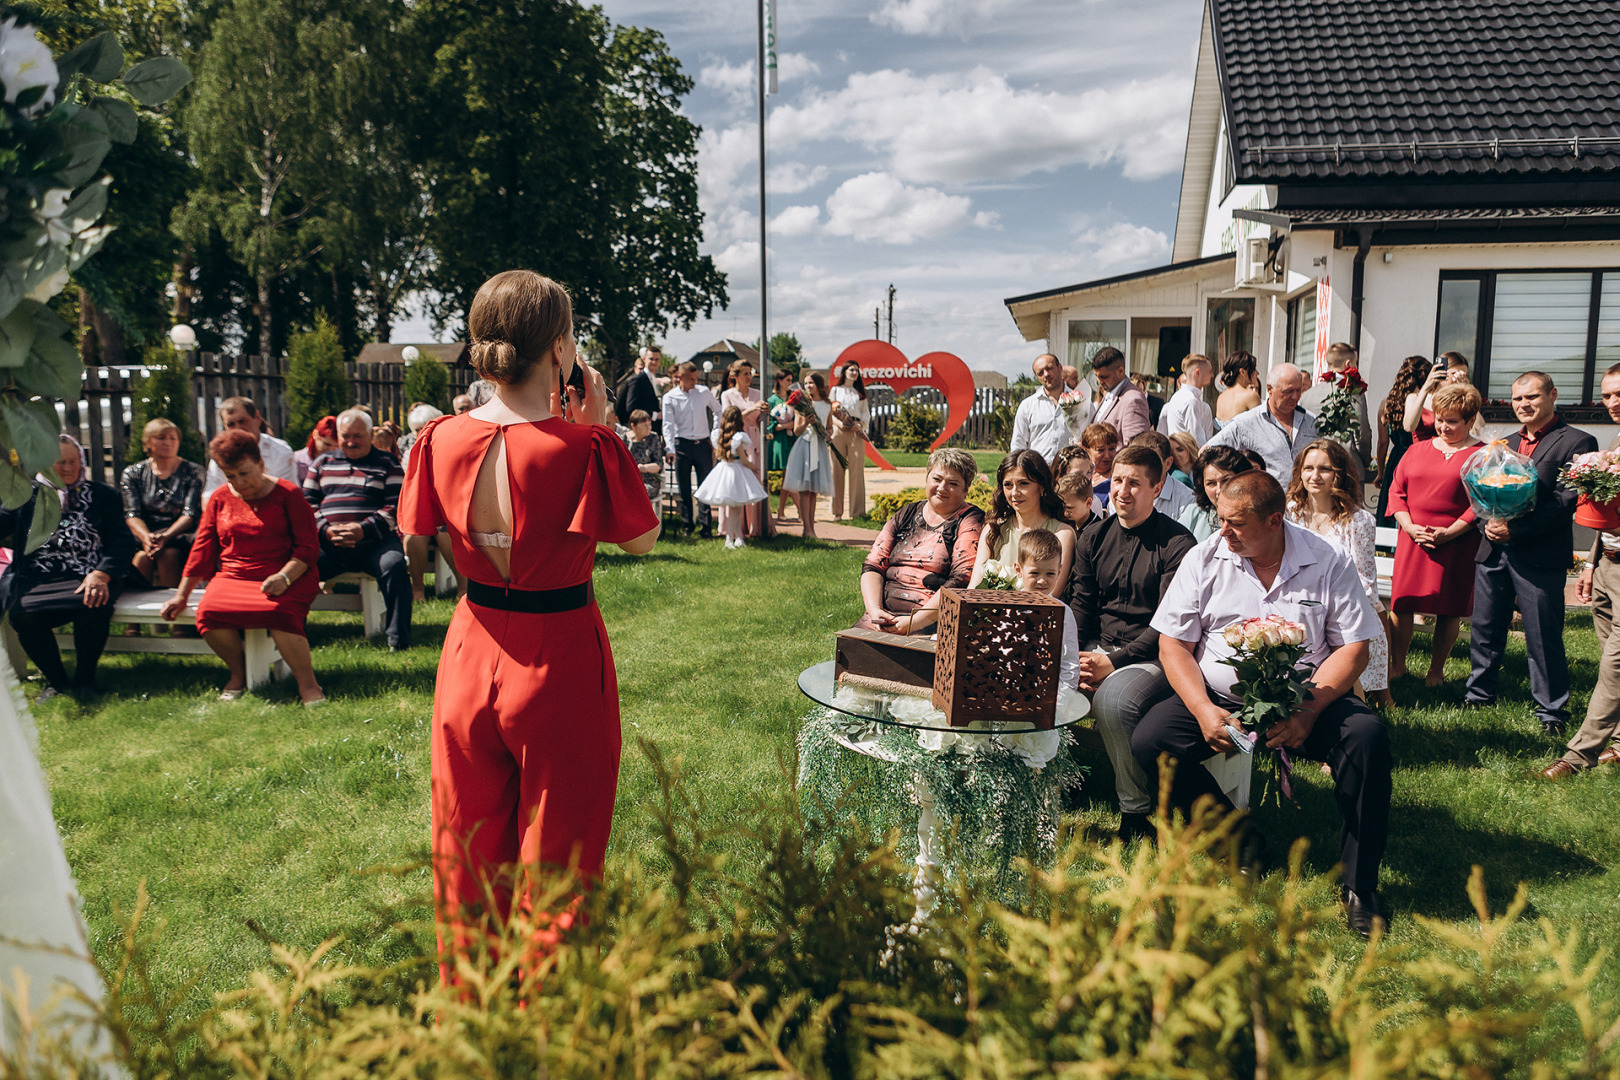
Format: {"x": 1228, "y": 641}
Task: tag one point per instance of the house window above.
{"x": 1088, "y": 337}
{"x": 1230, "y": 328}
{"x": 1301, "y": 350}
{"x": 1563, "y": 322}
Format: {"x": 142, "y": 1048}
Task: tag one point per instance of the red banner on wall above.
{"x": 882, "y": 363}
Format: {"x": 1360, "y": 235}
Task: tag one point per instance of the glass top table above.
{"x": 918, "y": 713}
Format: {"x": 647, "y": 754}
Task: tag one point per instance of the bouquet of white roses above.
{"x": 998, "y": 576}
{"x": 1266, "y": 652}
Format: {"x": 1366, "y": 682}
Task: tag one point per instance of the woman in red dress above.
{"x": 1434, "y": 557}
{"x": 256, "y": 545}
{"x": 526, "y": 707}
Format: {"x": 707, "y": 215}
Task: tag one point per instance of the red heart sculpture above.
{"x": 882, "y": 363}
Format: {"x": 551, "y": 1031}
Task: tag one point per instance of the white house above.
{"x": 1410, "y": 177}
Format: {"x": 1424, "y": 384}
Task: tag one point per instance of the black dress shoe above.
{"x": 49, "y": 692}
{"x": 1554, "y": 727}
{"x": 1360, "y": 912}
{"x": 1134, "y": 827}
{"x": 1478, "y": 703}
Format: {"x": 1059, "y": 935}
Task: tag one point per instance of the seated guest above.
{"x": 1080, "y": 506}
{"x": 162, "y": 504}
{"x": 1277, "y": 429}
{"x": 1434, "y": 553}
{"x": 321, "y": 439}
{"x": 1101, "y": 442}
{"x": 420, "y": 415}
{"x": 416, "y": 547}
{"x": 240, "y": 414}
{"x": 1024, "y": 500}
{"x": 1173, "y": 498}
{"x": 1037, "y": 565}
{"x": 648, "y": 450}
{"x": 1122, "y": 566}
{"x": 1257, "y": 565}
{"x": 354, "y": 492}
{"x": 1325, "y": 497}
{"x": 74, "y": 576}
{"x": 1212, "y": 468}
{"x": 1185, "y": 449}
{"x": 256, "y": 547}
{"x": 461, "y": 403}
{"x": 1071, "y": 458}
{"x": 924, "y": 547}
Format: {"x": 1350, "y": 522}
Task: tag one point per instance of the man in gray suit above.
{"x": 1338, "y": 357}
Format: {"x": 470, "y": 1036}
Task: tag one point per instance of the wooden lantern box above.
{"x": 895, "y": 663}
{"x": 998, "y": 657}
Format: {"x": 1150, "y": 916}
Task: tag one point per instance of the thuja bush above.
{"x": 884, "y": 505}
{"x": 805, "y": 962}
{"x": 915, "y": 427}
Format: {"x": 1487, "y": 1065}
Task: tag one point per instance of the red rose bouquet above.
{"x": 801, "y": 405}
{"x": 1337, "y": 420}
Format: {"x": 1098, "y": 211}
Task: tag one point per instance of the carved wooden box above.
{"x": 902, "y": 664}
{"x": 998, "y": 657}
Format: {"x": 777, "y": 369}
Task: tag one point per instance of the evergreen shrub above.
{"x": 165, "y": 392}
{"x": 915, "y": 427}
{"x": 316, "y": 384}
{"x": 427, "y": 379}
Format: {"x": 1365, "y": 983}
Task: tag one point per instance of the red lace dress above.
{"x": 239, "y": 544}
{"x": 526, "y": 706}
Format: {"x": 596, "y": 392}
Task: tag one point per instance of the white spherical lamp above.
{"x": 410, "y": 354}
{"x": 708, "y": 367}
{"x": 183, "y": 336}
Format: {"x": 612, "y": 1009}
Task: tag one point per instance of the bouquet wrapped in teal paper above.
{"x": 1501, "y": 483}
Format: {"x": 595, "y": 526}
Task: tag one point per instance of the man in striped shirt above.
{"x": 354, "y": 491}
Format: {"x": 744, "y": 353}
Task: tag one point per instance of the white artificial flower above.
{"x": 26, "y": 61}
{"x": 49, "y": 287}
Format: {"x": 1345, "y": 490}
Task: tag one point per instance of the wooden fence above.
{"x": 976, "y": 432}
{"x": 103, "y": 416}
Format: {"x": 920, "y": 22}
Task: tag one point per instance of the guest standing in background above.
{"x": 256, "y": 547}
{"x": 1187, "y": 410}
{"x": 1324, "y": 496}
{"x": 1155, "y": 402}
{"x": 690, "y": 412}
{"x": 241, "y": 414}
{"x": 1276, "y": 430}
{"x": 1339, "y": 357}
{"x": 74, "y": 576}
{"x": 1123, "y": 403}
{"x": 1435, "y": 553}
{"x": 162, "y": 504}
{"x": 1522, "y": 562}
{"x": 1393, "y": 438}
{"x": 1597, "y": 742}
{"x": 740, "y": 392}
{"x": 1240, "y": 375}
{"x": 1452, "y": 367}
{"x": 1040, "y": 424}
{"x": 809, "y": 468}
{"x": 851, "y": 415}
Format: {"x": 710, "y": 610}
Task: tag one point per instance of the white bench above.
{"x": 444, "y": 578}
{"x": 144, "y": 607}
{"x": 1384, "y": 541}
{"x": 368, "y": 601}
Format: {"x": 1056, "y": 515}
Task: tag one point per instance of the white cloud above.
{"x": 935, "y": 17}
{"x": 1122, "y": 247}
{"x": 793, "y": 66}
{"x": 876, "y": 206}
{"x": 792, "y": 177}
{"x": 957, "y": 127}
{"x": 738, "y": 81}
{"x": 796, "y": 221}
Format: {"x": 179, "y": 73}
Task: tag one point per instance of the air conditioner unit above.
{"x": 1254, "y": 262}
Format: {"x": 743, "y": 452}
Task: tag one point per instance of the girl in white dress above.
{"x": 809, "y": 467}
{"x": 732, "y": 485}
{"x": 1323, "y": 497}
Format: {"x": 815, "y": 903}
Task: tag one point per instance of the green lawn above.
{"x": 261, "y": 810}
{"x": 988, "y": 459}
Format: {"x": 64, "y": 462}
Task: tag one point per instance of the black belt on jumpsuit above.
{"x": 531, "y": 601}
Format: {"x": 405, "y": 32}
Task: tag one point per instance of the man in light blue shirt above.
{"x": 1277, "y": 429}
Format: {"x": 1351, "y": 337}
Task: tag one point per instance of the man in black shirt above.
{"x": 1122, "y": 566}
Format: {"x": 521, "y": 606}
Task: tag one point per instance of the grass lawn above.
{"x": 261, "y": 810}
{"x": 988, "y": 459}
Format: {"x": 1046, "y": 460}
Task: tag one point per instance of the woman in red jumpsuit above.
{"x": 526, "y": 706}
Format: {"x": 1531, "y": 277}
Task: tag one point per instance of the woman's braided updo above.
{"x": 515, "y": 320}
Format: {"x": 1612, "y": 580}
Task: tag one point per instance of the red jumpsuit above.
{"x": 526, "y": 706}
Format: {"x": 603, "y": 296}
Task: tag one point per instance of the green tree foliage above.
{"x": 273, "y": 89}
{"x": 316, "y": 384}
{"x": 427, "y": 379}
{"x": 785, "y": 353}
{"x": 915, "y": 426}
{"x": 165, "y": 392}
{"x": 603, "y": 178}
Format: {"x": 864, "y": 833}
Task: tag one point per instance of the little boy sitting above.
{"x": 1040, "y": 556}
{"x": 1080, "y": 504}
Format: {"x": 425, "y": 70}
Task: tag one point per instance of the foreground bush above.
{"x": 1139, "y": 964}
{"x": 884, "y": 505}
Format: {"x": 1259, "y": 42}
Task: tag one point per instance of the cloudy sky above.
{"x": 964, "y": 150}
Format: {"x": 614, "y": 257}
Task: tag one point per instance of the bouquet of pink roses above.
{"x": 1072, "y": 402}
{"x": 1266, "y": 650}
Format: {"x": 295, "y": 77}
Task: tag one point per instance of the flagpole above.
{"x": 764, "y": 283}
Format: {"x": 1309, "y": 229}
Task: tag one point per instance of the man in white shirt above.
{"x": 1187, "y": 410}
{"x": 241, "y": 414}
{"x": 1258, "y": 565}
{"x": 1041, "y": 424}
{"x": 1278, "y": 428}
{"x": 690, "y": 411}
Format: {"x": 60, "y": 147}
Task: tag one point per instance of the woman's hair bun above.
{"x": 496, "y": 360}
{"x": 514, "y": 321}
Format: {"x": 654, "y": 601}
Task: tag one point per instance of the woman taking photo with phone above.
{"x": 526, "y": 708}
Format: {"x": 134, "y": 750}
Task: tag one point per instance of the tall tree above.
{"x": 568, "y": 154}
{"x": 272, "y": 87}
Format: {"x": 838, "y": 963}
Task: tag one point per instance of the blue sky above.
{"x": 964, "y": 150}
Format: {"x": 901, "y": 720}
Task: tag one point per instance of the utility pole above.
{"x": 877, "y": 322}
{"x": 767, "y": 79}
{"x": 891, "y": 314}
